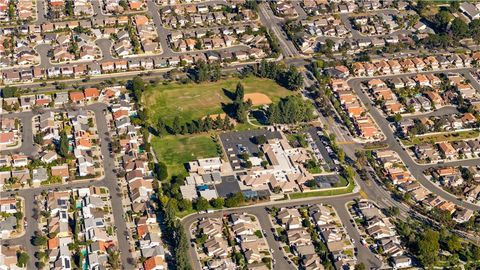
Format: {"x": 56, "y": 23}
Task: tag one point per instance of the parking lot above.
{"x": 323, "y": 152}
{"x": 237, "y": 143}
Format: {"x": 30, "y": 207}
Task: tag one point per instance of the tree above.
{"x": 453, "y": 244}
{"x": 348, "y": 173}
{"x": 235, "y": 200}
{"x": 182, "y": 259}
{"x": 136, "y": 86}
{"x": 9, "y": 91}
{"x": 123, "y": 4}
{"x": 39, "y": 240}
{"x": 113, "y": 259}
{"x": 176, "y": 126}
{"x": 428, "y": 247}
{"x": 459, "y": 28}
{"x": 442, "y": 19}
{"x": 293, "y": 79}
{"x": 206, "y": 71}
{"x": 184, "y": 205}
{"x": 397, "y": 118}
{"x": 239, "y": 93}
{"x": 239, "y": 107}
{"x": 474, "y": 27}
{"x": 341, "y": 155}
{"x": 290, "y": 110}
{"x": 22, "y": 259}
{"x": 454, "y": 6}
{"x": 201, "y": 204}
{"x": 218, "y": 202}
{"x": 161, "y": 171}
{"x": 161, "y": 127}
{"x": 260, "y": 139}
{"x": 360, "y": 266}
{"x": 62, "y": 148}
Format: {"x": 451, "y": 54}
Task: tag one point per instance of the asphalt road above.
{"x": 394, "y": 144}
{"x": 109, "y": 181}
{"x": 443, "y": 111}
{"x": 268, "y": 19}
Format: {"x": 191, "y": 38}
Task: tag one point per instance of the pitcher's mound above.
{"x": 257, "y": 99}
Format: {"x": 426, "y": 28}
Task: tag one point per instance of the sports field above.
{"x": 194, "y": 101}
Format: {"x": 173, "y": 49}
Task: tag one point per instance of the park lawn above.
{"x": 320, "y": 193}
{"x": 450, "y": 137}
{"x": 177, "y": 150}
{"x": 194, "y": 101}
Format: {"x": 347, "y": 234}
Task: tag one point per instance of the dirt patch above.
{"x": 222, "y": 116}
{"x": 214, "y": 116}
{"x": 257, "y": 99}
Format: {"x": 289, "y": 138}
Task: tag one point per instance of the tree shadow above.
{"x": 153, "y": 131}
{"x": 229, "y": 94}
{"x": 229, "y": 109}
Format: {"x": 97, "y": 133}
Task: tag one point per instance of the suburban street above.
{"x": 109, "y": 181}
{"x": 395, "y": 145}
{"x": 259, "y": 210}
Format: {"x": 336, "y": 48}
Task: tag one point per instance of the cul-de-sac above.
{"x": 239, "y": 134}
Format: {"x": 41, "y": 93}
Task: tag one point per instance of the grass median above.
{"x": 322, "y": 193}
{"x": 449, "y": 137}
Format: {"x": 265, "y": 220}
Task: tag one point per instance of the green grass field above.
{"x": 177, "y": 150}
{"x": 194, "y": 101}
{"x": 450, "y": 137}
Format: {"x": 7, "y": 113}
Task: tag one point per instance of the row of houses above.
{"x": 351, "y": 105}
{"x": 89, "y": 207}
{"x": 447, "y": 150}
{"x": 119, "y": 7}
{"x": 415, "y": 64}
{"x": 15, "y": 176}
{"x": 326, "y": 25}
{"x": 284, "y": 8}
{"x": 57, "y": 100}
{"x": 10, "y": 133}
{"x": 382, "y": 231}
{"x": 202, "y": 15}
{"x": 138, "y": 177}
{"x": 23, "y": 10}
{"x": 10, "y": 226}
{"x": 316, "y": 7}
{"x": 67, "y": 47}
{"x": 450, "y": 123}
{"x": 394, "y": 169}
{"x": 9, "y": 257}
{"x": 246, "y": 230}
{"x": 16, "y": 51}
{"x": 298, "y": 238}
{"x": 122, "y": 65}
{"x": 463, "y": 181}
{"x": 378, "y": 24}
